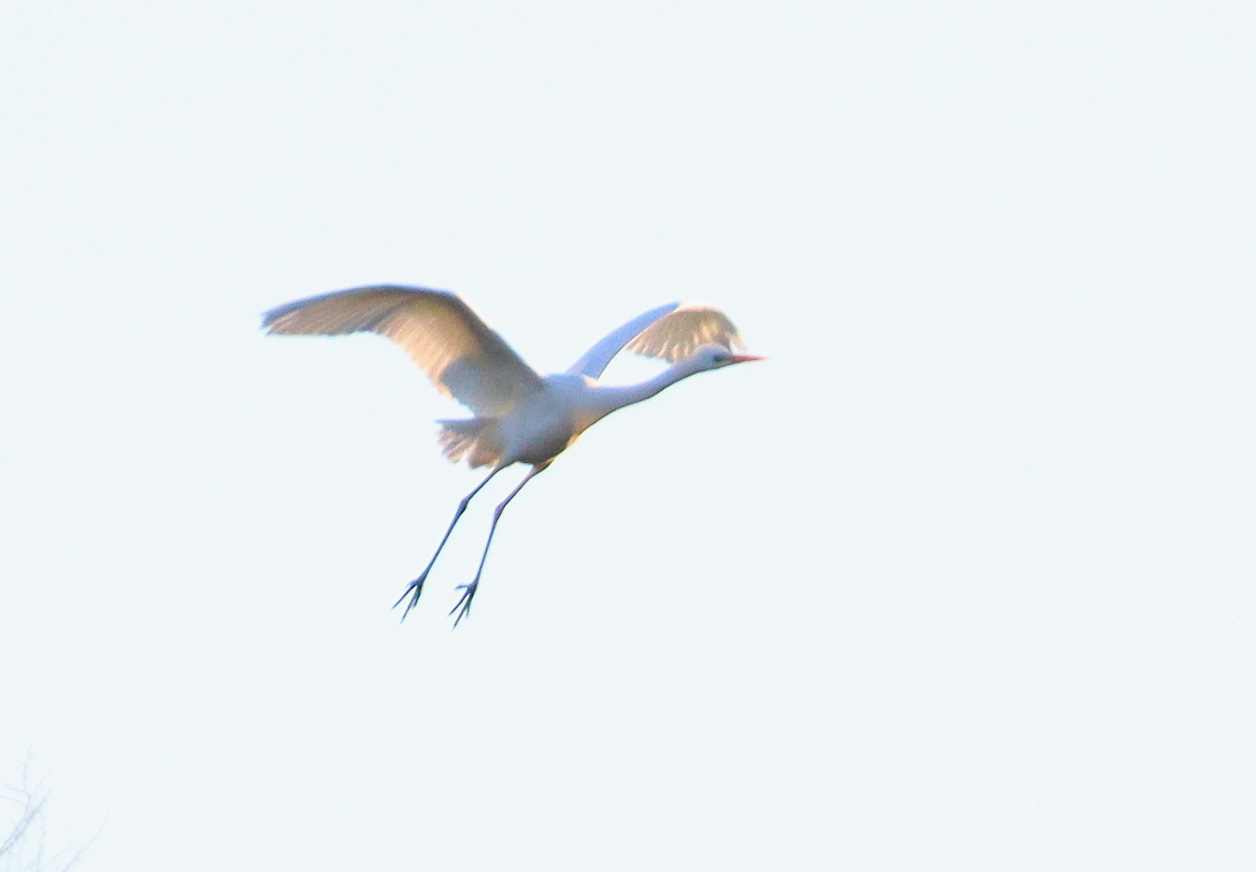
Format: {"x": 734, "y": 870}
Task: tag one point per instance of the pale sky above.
{"x": 961, "y": 578}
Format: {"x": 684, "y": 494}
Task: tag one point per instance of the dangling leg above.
{"x": 468, "y": 590}
{"x": 416, "y": 587}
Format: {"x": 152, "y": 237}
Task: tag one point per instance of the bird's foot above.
{"x": 413, "y": 590}
{"x": 463, "y": 607}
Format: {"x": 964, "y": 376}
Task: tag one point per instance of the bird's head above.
{"x": 717, "y": 356}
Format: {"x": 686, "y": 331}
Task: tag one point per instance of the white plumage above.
{"x": 520, "y": 417}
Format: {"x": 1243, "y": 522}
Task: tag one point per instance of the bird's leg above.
{"x": 416, "y": 587}
{"x": 463, "y": 607}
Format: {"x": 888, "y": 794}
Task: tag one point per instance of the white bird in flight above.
{"x": 519, "y": 416}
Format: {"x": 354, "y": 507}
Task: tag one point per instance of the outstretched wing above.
{"x": 671, "y": 332}
{"x": 596, "y": 359}
{"x": 684, "y": 331}
{"x": 460, "y": 354}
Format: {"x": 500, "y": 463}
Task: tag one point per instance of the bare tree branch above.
{"x": 23, "y": 848}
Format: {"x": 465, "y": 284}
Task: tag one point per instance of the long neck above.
{"x": 608, "y": 399}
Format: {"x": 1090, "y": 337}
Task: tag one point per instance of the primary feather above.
{"x": 461, "y": 355}
{"x": 671, "y": 332}
{"x": 684, "y": 331}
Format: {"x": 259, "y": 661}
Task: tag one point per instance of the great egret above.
{"x": 520, "y": 417}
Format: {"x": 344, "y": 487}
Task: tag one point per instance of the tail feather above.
{"x": 474, "y": 439}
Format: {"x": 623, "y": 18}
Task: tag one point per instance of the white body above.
{"x": 544, "y": 423}
{"x": 519, "y": 417}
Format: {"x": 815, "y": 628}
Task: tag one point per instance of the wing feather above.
{"x": 461, "y": 355}
{"x": 671, "y": 332}
{"x": 684, "y": 331}
{"x": 595, "y": 360}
